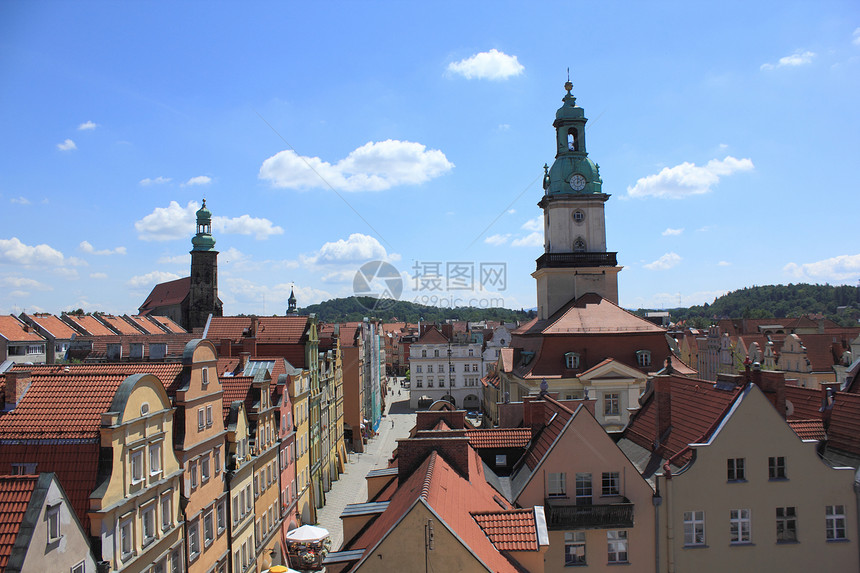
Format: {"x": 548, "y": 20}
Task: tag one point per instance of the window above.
{"x": 160, "y": 566}
{"x": 201, "y": 419}
{"x": 126, "y": 539}
{"x": 419, "y": 383}
{"x": 204, "y": 468}
{"x": 786, "y": 524}
{"x": 418, "y": 369}
{"x": 209, "y": 415}
{"x": 147, "y": 518}
{"x": 556, "y": 486}
{"x": 430, "y": 382}
{"x": 166, "y": 512}
{"x": 471, "y": 352}
{"x": 574, "y": 548}
{"x": 643, "y": 357}
{"x": 583, "y": 489}
{"x": 436, "y": 353}
{"x": 611, "y": 483}
{"x": 136, "y": 466}
{"x": 741, "y": 525}
{"x": 79, "y": 568}
{"x": 501, "y": 460}
{"x": 611, "y": 404}
{"x": 452, "y": 368}
{"x": 155, "y": 458}
{"x": 193, "y": 540}
{"x": 52, "y": 516}
{"x": 423, "y": 355}
{"x": 776, "y": 468}
{"x": 208, "y": 527}
{"x": 579, "y": 245}
{"x": 465, "y": 367}
{"x": 578, "y": 216}
{"x": 735, "y": 469}
{"x": 694, "y": 528}
{"x": 452, "y": 382}
{"x": 248, "y": 498}
{"x": 205, "y": 374}
{"x": 835, "y": 522}
{"x": 23, "y": 469}
{"x": 571, "y": 360}
{"x": 221, "y": 515}
{"x": 617, "y": 546}
{"x": 236, "y": 508}
{"x": 194, "y": 474}
{"x": 216, "y": 459}
{"x": 36, "y": 349}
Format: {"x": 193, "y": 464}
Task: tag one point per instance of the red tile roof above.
{"x": 168, "y": 323}
{"x": 590, "y": 314}
{"x": 432, "y": 336}
{"x": 844, "y": 430}
{"x": 15, "y": 495}
{"x": 145, "y": 323}
{"x": 166, "y": 294}
{"x": 170, "y": 373}
{"x": 118, "y": 324}
{"x": 696, "y": 407}
{"x": 89, "y": 325}
{"x": 52, "y": 324}
{"x": 14, "y": 330}
{"x": 805, "y": 402}
{"x": 514, "y": 530}
{"x": 556, "y": 416}
{"x": 236, "y": 389}
{"x": 808, "y": 429}
{"x": 272, "y": 329}
{"x": 499, "y": 437}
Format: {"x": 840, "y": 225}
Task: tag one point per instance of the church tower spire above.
{"x": 203, "y": 293}
{"x": 575, "y": 259}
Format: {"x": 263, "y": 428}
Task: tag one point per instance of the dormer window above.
{"x": 527, "y": 357}
{"x": 643, "y": 357}
{"x": 571, "y": 360}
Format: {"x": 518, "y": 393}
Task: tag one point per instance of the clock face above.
{"x": 577, "y": 182}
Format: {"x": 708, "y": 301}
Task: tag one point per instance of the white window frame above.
{"x": 209, "y": 421}
{"x": 571, "y": 360}
{"x": 556, "y": 484}
{"x": 616, "y": 546}
{"x": 612, "y": 404}
{"x": 126, "y": 533}
{"x": 740, "y": 526}
{"x": 155, "y": 458}
{"x": 574, "y": 548}
{"x": 201, "y": 419}
{"x": 194, "y": 539}
{"x": 204, "y": 373}
{"x": 204, "y": 468}
{"x": 80, "y": 568}
{"x": 216, "y": 459}
{"x": 584, "y": 488}
{"x": 192, "y": 468}
{"x": 694, "y": 528}
{"x": 166, "y": 503}
{"x": 610, "y": 484}
{"x": 52, "y": 517}
{"x": 643, "y": 358}
{"x": 148, "y": 512}
{"x": 221, "y": 516}
{"x": 208, "y": 527}
{"x": 834, "y": 522}
{"x": 136, "y": 459}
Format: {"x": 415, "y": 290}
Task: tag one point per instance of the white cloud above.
{"x": 199, "y": 180}
{"x": 497, "y": 240}
{"x": 67, "y": 145}
{"x": 86, "y": 247}
{"x": 175, "y": 260}
{"x": 152, "y": 279}
{"x": 724, "y": 264}
{"x": 665, "y": 262}
{"x": 176, "y": 222}
{"x": 157, "y": 181}
{"x": 274, "y": 298}
{"x": 535, "y": 224}
{"x": 375, "y": 166}
{"x": 670, "y": 232}
{"x": 504, "y": 127}
{"x": 358, "y": 248}
{"x": 22, "y": 283}
{"x": 856, "y": 37}
{"x": 492, "y": 65}
{"x": 687, "y": 179}
{"x": 15, "y": 252}
{"x": 87, "y": 126}
{"x": 531, "y": 240}
{"x": 247, "y": 225}
{"x": 100, "y": 276}
{"x": 841, "y": 268}
{"x": 511, "y": 211}
{"x": 19, "y": 201}
{"x": 798, "y": 58}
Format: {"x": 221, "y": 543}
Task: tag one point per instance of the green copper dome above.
{"x": 572, "y": 172}
{"x": 204, "y": 215}
{"x": 203, "y": 240}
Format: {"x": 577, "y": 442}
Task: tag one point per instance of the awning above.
{"x": 307, "y": 533}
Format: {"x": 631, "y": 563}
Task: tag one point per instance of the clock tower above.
{"x": 575, "y": 259}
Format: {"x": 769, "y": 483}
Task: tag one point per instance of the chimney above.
{"x": 243, "y": 361}
{"x": 828, "y": 396}
{"x": 663, "y": 403}
{"x": 249, "y": 346}
{"x": 17, "y": 383}
{"x": 226, "y": 350}
{"x": 772, "y": 384}
{"x": 534, "y": 413}
{"x": 252, "y": 331}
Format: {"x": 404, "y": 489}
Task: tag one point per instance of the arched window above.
{"x": 571, "y": 360}
{"x": 643, "y": 357}
{"x": 572, "y": 139}
{"x": 579, "y": 245}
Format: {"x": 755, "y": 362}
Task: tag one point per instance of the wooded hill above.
{"x": 356, "y": 308}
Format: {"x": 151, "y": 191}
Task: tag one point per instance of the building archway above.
{"x": 449, "y": 398}
{"x": 471, "y": 402}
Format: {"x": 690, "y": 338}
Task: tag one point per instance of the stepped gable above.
{"x": 166, "y": 294}
{"x": 695, "y": 409}
{"x": 455, "y": 499}
{"x": 15, "y": 495}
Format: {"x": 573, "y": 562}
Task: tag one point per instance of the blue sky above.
{"x": 726, "y": 134}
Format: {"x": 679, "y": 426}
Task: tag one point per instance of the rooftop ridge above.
{"x": 428, "y": 478}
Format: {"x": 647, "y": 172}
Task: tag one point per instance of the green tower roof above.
{"x": 203, "y": 240}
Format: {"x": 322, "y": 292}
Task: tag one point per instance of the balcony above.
{"x": 611, "y": 516}
{"x": 573, "y": 260}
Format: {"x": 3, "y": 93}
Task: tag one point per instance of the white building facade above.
{"x": 442, "y": 370}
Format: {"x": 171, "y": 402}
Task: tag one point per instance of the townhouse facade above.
{"x": 443, "y": 370}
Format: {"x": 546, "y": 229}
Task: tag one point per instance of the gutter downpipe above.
{"x": 670, "y": 530}
{"x": 657, "y": 500}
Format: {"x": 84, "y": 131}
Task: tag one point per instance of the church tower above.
{"x": 575, "y": 260}
{"x": 203, "y": 293}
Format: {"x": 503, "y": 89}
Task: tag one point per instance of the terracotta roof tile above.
{"x": 499, "y": 437}
{"x": 166, "y": 294}
{"x": 118, "y": 324}
{"x": 89, "y": 325}
{"x": 556, "y": 416}
{"x": 168, "y": 323}
{"x": 808, "y": 429}
{"x": 590, "y": 314}
{"x": 170, "y": 373}
{"x": 15, "y": 495}
{"x": 236, "y": 389}
{"x": 844, "y": 430}
{"x": 145, "y": 323}
{"x": 14, "y": 330}
{"x": 52, "y": 324}
{"x": 514, "y": 530}
{"x": 805, "y": 402}
{"x": 432, "y": 336}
